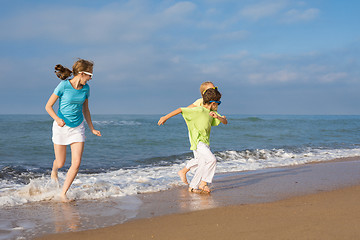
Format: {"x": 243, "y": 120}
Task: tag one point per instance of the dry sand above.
{"x": 321, "y": 214}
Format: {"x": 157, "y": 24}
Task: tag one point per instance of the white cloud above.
{"x": 111, "y": 23}
{"x": 236, "y": 56}
{"x": 263, "y": 9}
{"x": 281, "y": 76}
{"x": 188, "y": 45}
{"x": 231, "y": 36}
{"x": 280, "y": 9}
{"x": 333, "y": 77}
{"x": 180, "y": 9}
{"x": 210, "y": 69}
{"x": 295, "y": 15}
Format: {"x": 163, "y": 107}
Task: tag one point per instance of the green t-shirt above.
{"x": 199, "y": 124}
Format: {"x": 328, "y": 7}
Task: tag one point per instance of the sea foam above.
{"x": 127, "y": 182}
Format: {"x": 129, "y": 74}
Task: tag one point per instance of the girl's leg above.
{"x": 60, "y": 157}
{"x": 76, "y": 155}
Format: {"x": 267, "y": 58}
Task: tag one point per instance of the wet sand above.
{"x": 313, "y": 201}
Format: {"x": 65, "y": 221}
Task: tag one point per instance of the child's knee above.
{"x": 211, "y": 159}
{"x": 75, "y": 167}
{"x": 59, "y": 163}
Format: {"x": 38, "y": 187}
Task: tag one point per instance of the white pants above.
{"x": 205, "y": 162}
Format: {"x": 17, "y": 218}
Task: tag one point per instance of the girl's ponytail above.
{"x": 62, "y": 72}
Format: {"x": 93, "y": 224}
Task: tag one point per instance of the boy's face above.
{"x": 214, "y": 106}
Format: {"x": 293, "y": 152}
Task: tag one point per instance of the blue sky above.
{"x": 266, "y": 57}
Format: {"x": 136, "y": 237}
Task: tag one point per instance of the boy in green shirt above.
{"x": 199, "y": 121}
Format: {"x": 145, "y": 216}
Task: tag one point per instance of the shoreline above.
{"x": 289, "y": 191}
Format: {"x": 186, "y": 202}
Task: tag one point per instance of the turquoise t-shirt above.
{"x": 199, "y": 124}
{"x": 71, "y": 102}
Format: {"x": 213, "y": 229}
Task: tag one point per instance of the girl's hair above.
{"x": 80, "y": 65}
{"x": 211, "y": 95}
{"x": 62, "y": 72}
{"x": 204, "y": 86}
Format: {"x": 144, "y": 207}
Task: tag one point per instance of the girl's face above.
{"x": 85, "y": 77}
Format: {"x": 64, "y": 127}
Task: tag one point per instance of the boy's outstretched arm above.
{"x": 170, "y": 115}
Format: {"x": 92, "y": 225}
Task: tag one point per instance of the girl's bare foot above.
{"x": 182, "y": 175}
{"x": 65, "y": 199}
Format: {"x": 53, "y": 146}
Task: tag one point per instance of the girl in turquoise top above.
{"x": 199, "y": 121}
{"x": 68, "y": 126}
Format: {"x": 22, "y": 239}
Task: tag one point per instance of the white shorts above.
{"x": 66, "y": 135}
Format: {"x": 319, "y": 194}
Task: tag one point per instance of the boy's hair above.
{"x": 204, "y": 86}
{"x": 211, "y": 95}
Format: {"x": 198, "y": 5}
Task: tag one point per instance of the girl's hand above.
{"x": 96, "y": 132}
{"x": 60, "y": 122}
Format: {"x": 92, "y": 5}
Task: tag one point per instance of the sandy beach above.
{"x": 326, "y": 215}
{"x": 314, "y": 201}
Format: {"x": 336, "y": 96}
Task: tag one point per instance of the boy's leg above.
{"x": 210, "y": 165}
{"x": 191, "y": 164}
{"x": 182, "y": 175}
{"x": 206, "y": 166}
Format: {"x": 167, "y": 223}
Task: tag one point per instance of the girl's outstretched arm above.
{"x": 170, "y": 115}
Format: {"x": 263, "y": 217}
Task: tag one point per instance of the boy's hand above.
{"x": 162, "y": 121}
{"x": 222, "y": 119}
{"x": 213, "y": 114}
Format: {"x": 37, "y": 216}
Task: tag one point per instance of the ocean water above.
{"x": 136, "y": 156}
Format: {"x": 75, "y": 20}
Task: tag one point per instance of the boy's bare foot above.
{"x": 182, "y": 176}
{"x": 194, "y": 190}
{"x": 205, "y": 188}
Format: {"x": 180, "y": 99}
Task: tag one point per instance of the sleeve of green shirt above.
{"x": 190, "y": 113}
